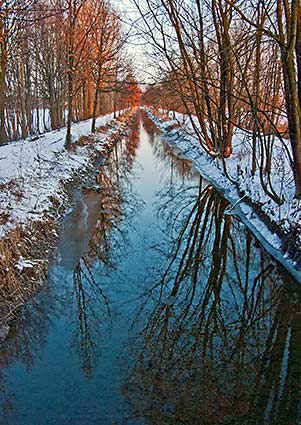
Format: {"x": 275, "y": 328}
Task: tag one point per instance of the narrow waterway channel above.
{"x": 160, "y": 309}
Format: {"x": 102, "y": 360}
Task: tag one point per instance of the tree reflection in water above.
{"x": 90, "y": 300}
{"x": 106, "y": 247}
{"x": 87, "y": 301}
{"x": 133, "y": 140}
{"x": 222, "y": 342}
{"x": 218, "y": 328}
{"x": 27, "y": 338}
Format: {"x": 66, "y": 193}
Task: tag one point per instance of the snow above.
{"x": 26, "y": 264}
{"x": 31, "y": 173}
{"x": 178, "y": 132}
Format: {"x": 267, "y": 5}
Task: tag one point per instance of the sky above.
{"x": 135, "y": 44}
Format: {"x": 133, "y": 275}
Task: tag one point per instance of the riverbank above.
{"x": 277, "y": 227}
{"x": 36, "y": 183}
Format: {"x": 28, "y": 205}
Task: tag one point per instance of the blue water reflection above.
{"x": 160, "y": 309}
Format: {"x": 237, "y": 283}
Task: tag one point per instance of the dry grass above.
{"x": 33, "y": 243}
{"x": 4, "y": 217}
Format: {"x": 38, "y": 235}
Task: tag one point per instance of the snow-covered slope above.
{"x": 178, "y": 132}
{"x": 31, "y": 172}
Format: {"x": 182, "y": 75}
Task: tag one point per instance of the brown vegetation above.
{"x": 17, "y": 283}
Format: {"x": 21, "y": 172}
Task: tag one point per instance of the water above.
{"x": 160, "y": 309}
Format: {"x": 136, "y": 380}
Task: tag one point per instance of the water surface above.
{"x": 160, "y": 309}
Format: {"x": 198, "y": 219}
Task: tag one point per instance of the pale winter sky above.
{"x": 136, "y": 46}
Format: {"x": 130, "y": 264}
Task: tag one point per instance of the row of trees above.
{"x": 231, "y": 65}
{"x": 61, "y": 60}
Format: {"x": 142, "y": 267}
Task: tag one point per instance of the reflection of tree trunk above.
{"x": 180, "y": 239}
{"x": 210, "y": 324}
{"x": 85, "y": 343}
{"x": 216, "y": 275}
{"x": 280, "y": 402}
{"x": 290, "y": 400}
{"x": 191, "y": 257}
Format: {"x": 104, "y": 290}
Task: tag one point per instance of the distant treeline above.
{"x": 61, "y": 61}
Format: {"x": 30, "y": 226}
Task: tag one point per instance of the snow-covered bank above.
{"x": 37, "y": 178}
{"x": 272, "y": 224}
{"x": 31, "y": 172}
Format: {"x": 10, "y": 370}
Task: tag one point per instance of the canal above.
{"x": 160, "y": 308}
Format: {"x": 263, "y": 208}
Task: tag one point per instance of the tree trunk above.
{"x": 23, "y": 103}
{"x": 70, "y": 111}
{"x": 70, "y": 71}
{"x": 293, "y": 106}
{"x": 54, "y": 114}
{"x": 28, "y": 98}
{"x": 222, "y": 20}
{"x": 94, "y": 111}
{"x": 3, "y": 136}
{"x": 44, "y": 118}
{"x": 256, "y": 84}
{"x": 38, "y": 116}
{"x": 90, "y": 98}
{"x": 298, "y": 51}
{"x": 294, "y": 120}
{"x": 114, "y": 104}
{"x": 85, "y": 101}
{"x": 37, "y": 106}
